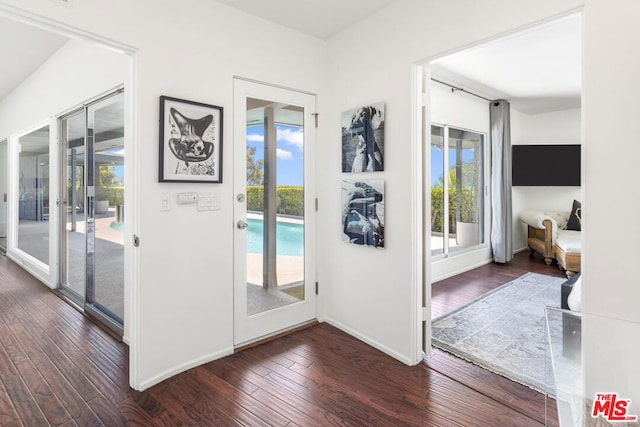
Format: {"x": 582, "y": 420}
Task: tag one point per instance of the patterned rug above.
{"x": 505, "y": 330}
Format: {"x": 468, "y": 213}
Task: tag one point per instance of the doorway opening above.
{"x": 545, "y": 108}
{"x": 39, "y": 226}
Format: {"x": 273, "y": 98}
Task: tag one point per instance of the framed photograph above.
{"x": 363, "y": 212}
{"x": 190, "y": 141}
{"x": 363, "y": 139}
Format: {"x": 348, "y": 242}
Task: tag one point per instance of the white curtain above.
{"x": 501, "y": 223}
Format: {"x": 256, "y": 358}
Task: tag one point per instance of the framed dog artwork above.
{"x": 363, "y": 139}
{"x": 363, "y": 212}
{"x": 190, "y": 141}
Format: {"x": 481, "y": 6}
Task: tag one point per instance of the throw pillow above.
{"x": 574, "y": 301}
{"x": 561, "y": 218}
{"x": 575, "y": 219}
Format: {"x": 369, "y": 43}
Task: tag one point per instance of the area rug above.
{"x": 505, "y": 330}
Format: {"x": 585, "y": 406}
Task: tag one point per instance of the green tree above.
{"x": 255, "y": 169}
{"x": 469, "y": 176}
{"x": 106, "y": 176}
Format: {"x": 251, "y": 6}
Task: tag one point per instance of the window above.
{"x": 33, "y": 194}
{"x": 457, "y": 190}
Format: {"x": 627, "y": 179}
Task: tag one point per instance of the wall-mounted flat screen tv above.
{"x": 546, "y": 165}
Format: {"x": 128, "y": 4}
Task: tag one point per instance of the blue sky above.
{"x": 437, "y": 158}
{"x": 290, "y": 152}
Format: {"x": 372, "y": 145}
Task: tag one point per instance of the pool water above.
{"x": 290, "y": 238}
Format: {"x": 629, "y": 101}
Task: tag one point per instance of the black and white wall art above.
{"x": 363, "y": 139}
{"x": 190, "y": 141}
{"x": 363, "y": 212}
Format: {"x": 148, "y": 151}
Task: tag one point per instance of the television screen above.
{"x": 546, "y": 165}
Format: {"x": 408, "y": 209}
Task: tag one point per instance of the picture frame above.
{"x": 363, "y": 139}
{"x": 190, "y": 141}
{"x": 363, "y": 215}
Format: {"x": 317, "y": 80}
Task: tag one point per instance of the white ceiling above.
{"x": 23, "y": 49}
{"x": 537, "y": 70}
{"x": 319, "y": 18}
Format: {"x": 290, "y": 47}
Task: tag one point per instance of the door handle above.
{"x": 242, "y": 225}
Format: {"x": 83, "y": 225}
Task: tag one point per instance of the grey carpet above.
{"x": 505, "y": 330}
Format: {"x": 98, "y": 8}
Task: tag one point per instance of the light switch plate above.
{"x": 208, "y": 202}
{"x": 187, "y": 198}
{"x": 164, "y": 202}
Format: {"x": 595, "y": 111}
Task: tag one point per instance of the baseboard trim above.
{"x": 462, "y": 270}
{"x": 373, "y": 343}
{"x": 143, "y": 385}
{"x": 26, "y": 265}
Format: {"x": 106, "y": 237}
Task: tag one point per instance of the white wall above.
{"x": 78, "y": 71}
{"x": 611, "y": 251}
{"x": 184, "y": 312}
{"x": 373, "y": 292}
{"x": 464, "y": 111}
{"x": 558, "y": 127}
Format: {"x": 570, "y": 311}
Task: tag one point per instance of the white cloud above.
{"x": 252, "y": 137}
{"x": 284, "y": 154}
{"x": 293, "y": 137}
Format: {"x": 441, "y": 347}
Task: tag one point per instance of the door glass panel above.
{"x": 275, "y": 205}
{"x": 3, "y": 195}
{"x": 465, "y": 188}
{"x": 73, "y": 215}
{"x": 106, "y": 123}
{"x": 457, "y": 189}
{"x": 33, "y": 194}
{"x": 437, "y": 190}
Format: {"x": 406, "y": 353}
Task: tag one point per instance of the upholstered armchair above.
{"x": 542, "y": 230}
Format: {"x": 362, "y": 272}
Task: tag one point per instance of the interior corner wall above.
{"x": 369, "y": 292}
{"x": 552, "y": 128}
{"x": 192, "y": 51}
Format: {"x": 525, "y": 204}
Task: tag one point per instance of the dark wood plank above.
{"x": 26, "y": 408}
{"x": 55, "y": 362}
{"x": 7, "y": 412}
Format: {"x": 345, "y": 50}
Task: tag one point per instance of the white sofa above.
{"x": 547, "y": 234}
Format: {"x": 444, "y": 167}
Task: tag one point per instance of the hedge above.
{"x": 114, "y": 194}
{"x": 467, "y": 214}
{"x": 289, "y": 199}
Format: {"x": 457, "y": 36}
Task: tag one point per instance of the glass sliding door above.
{"x": 73, "y": 238}
{"x": 457, "y": 190}
{"x": 33, "y": 194}
{"x": 92, "y": 209}
{"x": 105, "y": 182}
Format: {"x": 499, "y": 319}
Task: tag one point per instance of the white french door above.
{"x": 274, "y": 210}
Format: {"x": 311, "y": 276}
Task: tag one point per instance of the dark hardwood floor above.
{"x": 456, "y": 291}
{"x": 58, "y": 368}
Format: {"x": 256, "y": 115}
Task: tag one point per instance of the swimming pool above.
{"x": 290, "y": 238}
